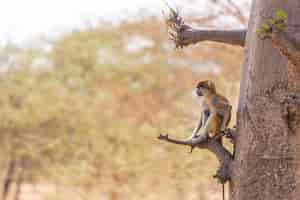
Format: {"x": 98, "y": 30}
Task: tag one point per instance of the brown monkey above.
{"x": 216, "y": 113}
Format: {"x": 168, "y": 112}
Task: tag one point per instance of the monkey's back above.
{"x": 218, "y": 104}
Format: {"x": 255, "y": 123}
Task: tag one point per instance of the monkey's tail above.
{"x": 223, "y": 191}
{"x": 220, "y": 140}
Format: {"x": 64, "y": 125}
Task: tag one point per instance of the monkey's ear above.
{"x": 211, "y": 85}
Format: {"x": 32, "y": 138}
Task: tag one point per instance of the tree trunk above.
{"x": 20, "y": 179}
{"x": 8, "y": 178}
{"x": 267, "y": 159}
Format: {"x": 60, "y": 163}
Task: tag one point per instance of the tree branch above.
{"x": 184, "y": 35}
{"x": 236, "y": 11}
{"x": 203, "y": 142}
{"x": 194, "y": 35}
{"x": 232, "y": 9}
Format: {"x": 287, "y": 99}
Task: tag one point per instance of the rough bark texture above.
{"x": 233, "y": 37}
{"x": 289, "y": 46}
{"x": 266, "y": 165}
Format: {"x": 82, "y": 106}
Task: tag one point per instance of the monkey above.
{"x": 216, "y": 113}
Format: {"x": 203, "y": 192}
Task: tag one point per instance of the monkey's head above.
{"x": 205, "y": 87}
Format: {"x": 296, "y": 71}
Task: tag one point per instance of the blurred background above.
{"x": 87, "y": 86}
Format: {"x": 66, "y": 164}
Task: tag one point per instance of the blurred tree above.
{"x": 83, "y": 113}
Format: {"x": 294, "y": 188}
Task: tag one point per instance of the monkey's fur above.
{"x": 216, "y": 113}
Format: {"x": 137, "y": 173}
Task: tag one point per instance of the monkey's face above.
{"x": 200, "y": 91}
{"x": 205, "y": 87}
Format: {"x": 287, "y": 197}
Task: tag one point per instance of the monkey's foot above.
{"x": 230, "y": 133}
{"x": 223, "y": 173}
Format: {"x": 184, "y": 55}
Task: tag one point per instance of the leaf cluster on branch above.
{"x": 275, "y": 29}
{"x": 278, "y": 23}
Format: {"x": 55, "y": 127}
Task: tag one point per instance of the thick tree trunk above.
{"x": 267, "y": 159}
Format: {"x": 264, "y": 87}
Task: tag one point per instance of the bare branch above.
{"x": 203, "y": 142}
{"x": 183, "y": 35}
{"x": 233, "y": 37}
{"x": 232, "y": 9}
{"x": 236, "y": 11}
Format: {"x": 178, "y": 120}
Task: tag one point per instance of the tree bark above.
{"x": 20, "y": 179}
{"x": 233, "y": 37}
{"x": 266, "y": 163}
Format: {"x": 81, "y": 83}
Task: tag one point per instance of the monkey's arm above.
{"x": 197, "y": 128}
{"x": 202, "y": 122}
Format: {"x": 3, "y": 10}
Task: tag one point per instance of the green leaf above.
{"x": 281, "y": 15}
{"x": 258, "y": 31}
{"x": 281, "y": 27}
{"x": 271, "y": 21}
{"x": 265, "y": 27}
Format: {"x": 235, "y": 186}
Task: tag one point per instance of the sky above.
{"x": 22, "y": 20}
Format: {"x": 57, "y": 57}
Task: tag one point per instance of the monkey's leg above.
{"x": 226, "y": 115}
{"x": 213, "y": 126}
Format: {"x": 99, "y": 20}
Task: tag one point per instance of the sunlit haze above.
{"x": 24, "y": 20}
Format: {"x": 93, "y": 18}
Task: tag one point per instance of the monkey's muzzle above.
{"x": 199, "y": 92}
